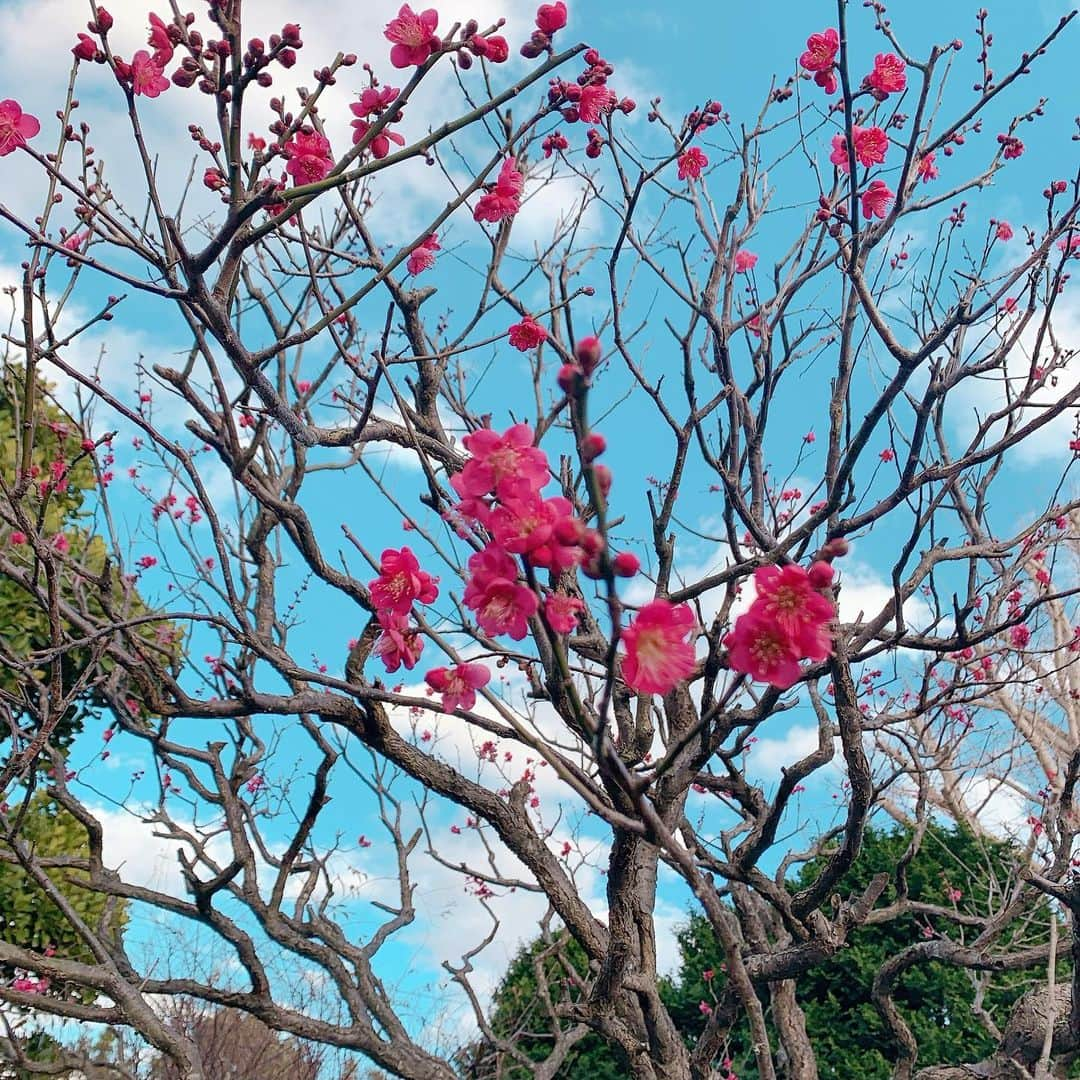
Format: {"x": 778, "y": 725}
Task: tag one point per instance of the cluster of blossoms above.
{"x": 789, "y": 621}
{"x": 374, "y": 101}
{"x": 589, "y": 99}
{"x": 422, "y": 257}
{"x": 400, "y": 584}
{"x": 503, "y": 198}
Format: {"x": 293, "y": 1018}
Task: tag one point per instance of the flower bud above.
{"x": 820, "y": 575}
{"x": 86, "y": 49}
{"x": 593, "y": 445}
{"x": 588, "y": 354}
{"x": 835, "y": 548}
{"x": 625, "y": 564}
{"x": 570, "y": 378}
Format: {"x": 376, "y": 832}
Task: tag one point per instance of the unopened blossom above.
{"x": 147, "y": 75}
{"x": 527, "y": 334}
{"x": 160, "y": 41}
{"x": 744, "y": 261}
{"x": 412, "y": 35}
{"x": 86, "y": 48}
{"x": 399, "y": 644}
{"x": 310, "y": 159}
{"x": 422, "y": 257}
{"x": 877, "y": 199}
{"x": 401, "y": 582}
{"x": 15, "y": 126}
{"x": 888, "y": 77}
{"x": 561, "y": 612}
{"x": 493, "y": 48}
{"x": 554, "y": 143}
{"x": 458, "y": 685}
{"x": 551, "y": 17}
{"x": 658, "y": 656}
{"x": 504, "y": 198}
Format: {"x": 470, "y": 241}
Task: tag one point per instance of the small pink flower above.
{"x": 562, "y": 611}
{"x": 788, "y": 597}
{"x": 310, "y": 159}
{"x": 1019, "y": 636}
{"x": 887, "y": 454}
{"x": 504, "y": 199}
{"x": 760, "y": 649}
{"x": 821, "y": 50}
{"x": 423, "y": 257}
{"x": 744, "y": 261}
{"x": 691, "y": 162}
{"x": 502, "y": 604}
{"x": 18, "y": 537}
{"x": 888, "y": 77}
{"x": 1003, "y": 231}
{"x": 820, "y": 58}
{"x": 877, "y": 199}
{"x": 147, "y": 75}
{"x": 527, "y": 334}
{"x": 399, "y": 643}
{"x": 413, "y": 36}
{"x": 658, "y": 656}
{"x": 458, "y": 685}
{"x": 379, "y": 146}
{"x": 401, "y": 582}
{"x": 501, "y": 464}
{"x": 597, "y": 101}
{"x": 15, "y": 126}
{"x": 927, "y": 170}
{"x": 871, "y": 145}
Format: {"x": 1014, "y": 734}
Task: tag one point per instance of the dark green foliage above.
{"x": 847, "y": 1032}
{"x": 59, "y": 507}
{"x": 519, "y": 1014}
{"x": 30, "y": 919}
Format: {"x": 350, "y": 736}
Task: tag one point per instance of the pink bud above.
{"x": 588, "y": 354}
{"x": 821, "y": 575}
{"x": 626, "y": 564}
{"x": 569, "y": 378}
{"x": 836, "y": 548}
{"x": 593, "y": 446}
{"x": 86, "y": 48}
{"x": 104, "y": 20}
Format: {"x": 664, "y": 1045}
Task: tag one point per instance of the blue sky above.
{"x": 685, "y": 54}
